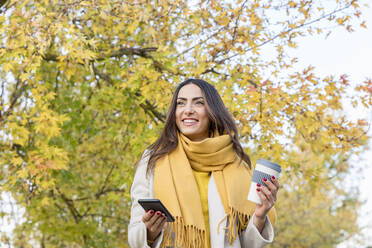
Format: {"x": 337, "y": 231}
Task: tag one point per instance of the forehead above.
{"x": 190, "y": 91}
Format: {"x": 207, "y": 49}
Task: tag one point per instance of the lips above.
{"x": 189, "y": 121}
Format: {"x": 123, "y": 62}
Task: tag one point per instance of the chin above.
{"x": 189, "y": 134}
{"x": 194, "y": 136}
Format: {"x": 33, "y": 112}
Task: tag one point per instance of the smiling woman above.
{"x": 200, "y": 172}
{"x": 191, "y": 113}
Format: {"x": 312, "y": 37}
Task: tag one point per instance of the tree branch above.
{"x": 201, "y": 42}
{"x": 70, "y": 205}
{"x": 142, "y": 52}
{"x": 3, "y": 3}
{"x": 100, "y": 192}
{"x": 237, "y": 22}
{"x": 283, "y": 32}
{"x": 13, "y": 99}
{"x": 148, "y": 107}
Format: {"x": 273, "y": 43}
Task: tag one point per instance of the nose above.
{"x": 189, "y": 109}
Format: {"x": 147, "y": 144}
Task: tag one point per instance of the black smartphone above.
{"x": 156, "y": 205}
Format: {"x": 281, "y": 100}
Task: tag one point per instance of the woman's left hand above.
{"x": 268, "y": 197}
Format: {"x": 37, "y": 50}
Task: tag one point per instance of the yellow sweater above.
{"x": 202, "y": 179}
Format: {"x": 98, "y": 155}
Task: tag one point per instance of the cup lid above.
{"x": 269, "y": 164}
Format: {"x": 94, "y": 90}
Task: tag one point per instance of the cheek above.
{"x": 205, "y": 120}
{"x": 206, "y": 123}
{"x": 178, "y": 117}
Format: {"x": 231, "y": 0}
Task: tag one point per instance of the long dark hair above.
{"x": 219, "y": 118}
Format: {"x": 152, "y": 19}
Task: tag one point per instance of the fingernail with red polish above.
{"x": 157, "y": 213}
{"x": 151, "y": 211}
{"x": 264, "y": 179}
{"x": 258, "y": 190}
{"x": 273, "y": 177}
{"x": 258, "y": 185}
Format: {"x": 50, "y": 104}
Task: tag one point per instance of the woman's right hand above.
{"x": 154, "y": 224}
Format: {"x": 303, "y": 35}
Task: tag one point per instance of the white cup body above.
{"x": 262, "y": 170}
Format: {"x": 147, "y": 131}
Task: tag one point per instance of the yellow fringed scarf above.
{"x": 175, "y": 186}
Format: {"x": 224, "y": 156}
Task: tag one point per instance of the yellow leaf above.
{"x": 22, "y": 173}
{"x": 24, "y": 76}
{"x": 7, "y": 67}
{"x": 45, "y": 202}
{"x": 292, "y": 4}
{"x": 17, "y": 161}
{"x": 340, "y": 21}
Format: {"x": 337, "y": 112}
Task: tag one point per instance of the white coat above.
{"x": 143, "y": 188}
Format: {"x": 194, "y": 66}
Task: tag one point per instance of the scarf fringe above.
{"x": 177, "y": 234}
{"x": 184, "y": 236}
{"x": 237, "y": 222}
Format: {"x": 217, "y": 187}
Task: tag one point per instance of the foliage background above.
{"x": 85, "y": 87}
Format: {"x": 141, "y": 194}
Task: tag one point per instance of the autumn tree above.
{"x": 316, "y": 208}
{"x": 85, "y": 86}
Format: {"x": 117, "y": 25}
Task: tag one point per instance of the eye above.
{"x": 179, "y": 103}
{"x": 200, "y": 102}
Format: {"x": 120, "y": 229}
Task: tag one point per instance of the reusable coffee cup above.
{"x": 264, "y": 169}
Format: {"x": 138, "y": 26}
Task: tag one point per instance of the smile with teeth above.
{"x": 189, "y": 122}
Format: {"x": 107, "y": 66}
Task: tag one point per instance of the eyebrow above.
{"x": 194, "y": 99}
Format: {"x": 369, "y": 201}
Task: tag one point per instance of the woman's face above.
{"x": 191, "y": 113}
